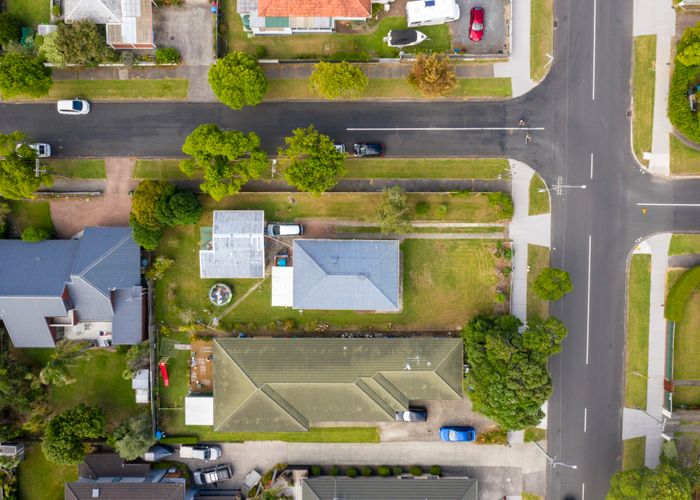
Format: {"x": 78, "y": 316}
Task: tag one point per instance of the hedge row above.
{"x": 679, "y": 111}
{"x": 382, "y": 470}
{"x": 680, "y": 293}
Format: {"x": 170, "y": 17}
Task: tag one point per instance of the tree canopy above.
{"x": 668, "y": 481}
{"x": 144, "y": 201}
{"x": 393, "y": 214}
{"x": 8, "y": 142}
{"x": 18, "y": 179}
{"x": 10, "y": 28}
{"x": 334, "y": 80}
{"x": 314, "y": 163}
{"x": 35, "y": 234}
{"x": 81, "y": 43}
{"x": 508, "y": 379}
{"x": 23, "y": 75}
{"x": 229, "y": 159}
{"x": 238, "y": 80}
{"x": 64, "y": 436}
{"x": 434, "y": 75}
{"x": 688, "y": 48}
{"x": 133, "y": 438}
{"x": 176, "y": 207}
{"x": 552, "y": 284}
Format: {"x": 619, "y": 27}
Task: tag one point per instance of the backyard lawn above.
{"x": 29, "y": 213}
{"x": 684, "y": 159}
{"x": 537, "y": 260}
{"x": 399, "y": 88}
{"x": 330, "y": 45}
{"x": 686, "y": 348}
{"x": 684, "y": 243}
{"x": 541, "y": 37}
{"x": 644, "y": 70}
{"x": 77, "y": 168}
{"x": 40, "y": 479}
{"x": 30, "y": 12}
{"x": 539, "y": 201}
{"x": 633, "y": 453}
{"x": 638, "y": 290}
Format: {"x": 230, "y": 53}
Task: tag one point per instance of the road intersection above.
{"x": 580, "y": 124}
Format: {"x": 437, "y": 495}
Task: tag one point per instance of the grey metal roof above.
{"x": 97, "y": 465}
{"x": 98, "y": 11}
{"x": 381, "y": 488}
{"x": 33, "y": 277}
{"x": 238, "y": 248}
{"x": 360, "y": 275}
{"x": 127, "y": 325}
{"x": 125, "y": 491}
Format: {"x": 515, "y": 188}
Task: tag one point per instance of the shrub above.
{"x": 167, "y": 55}
{"x": 422, "y": 208}
{"x": 315, "y": 470}
{"x": 500, "y": 297}
{"x": 336, "y": 80}
{"x": 351, "y": 472}
{"x": 384, "y": 471}
{"x": 145, "y": 236}
{"x": 21, "y": 74}
{"x": 441, "y": 210}
{"x": 416, "y": 470}
{"x": 366, "y": 471}
{"x": 10, "y": 28}
{"x": 680, "y": 292}
{"x": 552, "y": 284}
{"x": 503, "y": 201}
{"x": 238, "y": 80}
{"x": 434, "y": 75}
{"x": 492, "y": 436}
{"x": 435, "y": 470}
{"x": 506, "y": 271}
{"x": 334, "y": 470}
{"x": 260, "y": 52}
{"x": 56, "y": 10}
{"x": 397, "y": 470}
{"x": 35, "y": 234}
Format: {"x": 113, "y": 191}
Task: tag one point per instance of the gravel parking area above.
{"x": 495, "y": 32}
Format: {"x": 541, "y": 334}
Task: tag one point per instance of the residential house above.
{"x": 125, "y": 491}
{"x": 355, "y": 275}
{"x": 285, "y": 17}
{"x": 277, "y": 384}
{"x": 389, "y": 488}
{"x": 129, "y": 23}
{"x": 234, "y": 246}
{"x": 88, "y": 288}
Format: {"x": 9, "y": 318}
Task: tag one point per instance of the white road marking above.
{"x": 585, "y": 419}
{"x": 668, "y": 204}
{"x": 439, "y": 129}
{"x": 583, "y": 491}
{"x": 588, "y": 303}
{"x": 591, "y": 165}
{"x": 595, "y": 12}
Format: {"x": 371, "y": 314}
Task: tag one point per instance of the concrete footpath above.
{"x": 518, "y": 65}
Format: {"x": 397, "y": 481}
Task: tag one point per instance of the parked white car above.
{"x": 42, "y": 149}
{"x": 200, "y": 451}
{"x": 73, "y": 107}
{"x": 277, "y": 229}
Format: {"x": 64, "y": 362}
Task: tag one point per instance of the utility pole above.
{"x": 553, "y": 460}
{"x": 559, "y": 187}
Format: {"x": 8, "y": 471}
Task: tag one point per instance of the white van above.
{"x": 280, "y": 229}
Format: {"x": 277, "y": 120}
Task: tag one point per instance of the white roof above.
{"x": 238, "y": 247}
{"x": 45, "y": 29}
{"x": 425, "y": 11}
{"x": 142, "y": 396}
{"x": 140, "y": 380}
{"x": 199, "y": 410}
{"x": 283, "y": 286}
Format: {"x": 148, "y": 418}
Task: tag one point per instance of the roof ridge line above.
{"x": 109, "y": 251}
{"x": 436, "y": 371}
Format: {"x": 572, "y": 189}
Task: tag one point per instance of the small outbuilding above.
{"x": 429, "y": 12}
{"x": 199, "y": 409}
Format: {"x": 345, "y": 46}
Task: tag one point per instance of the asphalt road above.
{"x": 584, "y": 139}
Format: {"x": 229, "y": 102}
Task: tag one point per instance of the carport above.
{"x": 282, "y": 286}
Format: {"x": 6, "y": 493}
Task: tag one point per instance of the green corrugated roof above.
{"x": 276, "y": 22}
{"x": 283, "y": 384}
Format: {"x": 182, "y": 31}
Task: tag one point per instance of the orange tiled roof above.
{"x": 315, "y": 8}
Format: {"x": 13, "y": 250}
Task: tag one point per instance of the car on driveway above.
{"x": 415, "y": 414}
{"x": 73, "y": 107}
{"x": 368, "y": 149}
{"x": 212, "y": 475}
{"x": 456, "y": 433}
{"x": 277, "y": 229}
{"x": 476, "y": 24}
{"x": 42, "y": 149}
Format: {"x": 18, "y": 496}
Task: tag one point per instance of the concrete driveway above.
{"x": 494, "y": 41}
{"x": 188, "y": 29}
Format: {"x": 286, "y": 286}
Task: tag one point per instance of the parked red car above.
{"x": 476, "y": 24}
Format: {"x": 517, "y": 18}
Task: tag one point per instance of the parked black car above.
{"x": 416, "y": 414}
{"x": 212, "y": 475}
{"x": 369, "y": 149}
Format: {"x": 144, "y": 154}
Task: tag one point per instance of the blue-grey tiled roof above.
{"x": 127, "y": 325}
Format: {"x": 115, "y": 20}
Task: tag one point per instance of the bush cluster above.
{"x": 167, "y": 55}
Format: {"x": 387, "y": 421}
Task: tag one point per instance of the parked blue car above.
{"x": 457, "y": 433}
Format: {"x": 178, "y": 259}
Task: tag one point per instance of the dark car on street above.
{"x": 416, "y": 414}
{"x": 368, "y": 149}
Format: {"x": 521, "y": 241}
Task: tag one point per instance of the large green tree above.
{"x": 10, "y": 28}
{"x": 688, "y": 48}
{"x": 434, "y": 75}
{"x": 176, "y": 207}
{"x": 133, "y": 438}
{"x": 18, "y": 176}
{"x": 393, "y": 213}
{"x": 552, "y": 284}
{"x": 334, "y": 80}
{"x": 508, "y": 379}
{"x": 23, "y": 75}
{"x": 668, "y": 481}
{"x": 8, "y": 142}
{"x": 229, "y": 159}
{"x": 82, "y": 43}
{"x": 238, "y": 80}
{"x": 314, "y": 164}
{"x": 66, "y": 432}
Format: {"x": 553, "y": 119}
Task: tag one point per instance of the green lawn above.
{"x": 25, "y": 213}
{"x": 686, "y": 344}
{"x": 393, "y": 88}
{"x": 98, "y": 375}
{"x": 638, "y": 290}
{"x": 165, "y": 169}
{"x": 541, "y": 37}
{"x": 329, "y": 45}
{"x": 456, "y": 277}
{"x": 535, "y": 434}
{"x": 633, "y": 453}
{"x": 539, "y": 201}
{"x": 686, "y": 395}
{"x": 40, "y": 479}
{"x": 684, "y": 243}
{"x": 30, "y": 12}
{"x": 684, "y": 159}
{"x": 537, "y": 260}
{"x": 643, "y": 81}
{"x": 171, "y": 89}
{"x": 425, "y": 229}
{"x": 77, "y": 168}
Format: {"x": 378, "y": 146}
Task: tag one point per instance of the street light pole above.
{"x": 553, "y": 460}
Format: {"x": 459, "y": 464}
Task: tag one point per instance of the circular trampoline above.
{"x": 220, "y": 294}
